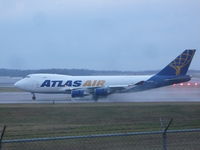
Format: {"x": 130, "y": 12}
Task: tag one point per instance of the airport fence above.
{"x": 152, "y": 140}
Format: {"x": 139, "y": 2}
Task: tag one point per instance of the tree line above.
{"x": 82, "y": 72}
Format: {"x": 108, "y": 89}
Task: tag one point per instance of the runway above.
{"x": 166, "y": 94}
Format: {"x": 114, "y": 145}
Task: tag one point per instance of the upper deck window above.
{"x": 44, "y": 77}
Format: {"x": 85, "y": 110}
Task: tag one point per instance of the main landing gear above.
{"x": 95, "y": 98}
{"x": 33, "y": 97}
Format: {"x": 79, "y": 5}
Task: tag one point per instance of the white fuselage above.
{"x": 55, "y": 83}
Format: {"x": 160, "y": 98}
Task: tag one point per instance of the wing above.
{"x": 104, "y": 90}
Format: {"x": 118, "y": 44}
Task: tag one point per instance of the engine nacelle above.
{"x": 101, "y": 91}
{"x": 77, "y": 93}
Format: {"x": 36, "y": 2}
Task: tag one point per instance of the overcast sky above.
{"x": 97, "y": 34}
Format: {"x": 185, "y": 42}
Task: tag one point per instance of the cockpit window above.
{"x": 27, "y": 76}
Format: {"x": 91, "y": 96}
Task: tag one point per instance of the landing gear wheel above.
{"x": 33, "y": 97}
{"x": 95, "y": 98}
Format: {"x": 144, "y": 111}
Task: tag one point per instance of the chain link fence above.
{"x": 188, "y": 139}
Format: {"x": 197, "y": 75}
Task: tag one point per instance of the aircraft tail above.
{"x": 180, "y": 65}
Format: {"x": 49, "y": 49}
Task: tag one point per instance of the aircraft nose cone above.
{"x": 24, "y": 84}
{"x": 17, "y": 84}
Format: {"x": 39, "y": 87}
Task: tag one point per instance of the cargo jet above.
{"x": 103, "y": 86}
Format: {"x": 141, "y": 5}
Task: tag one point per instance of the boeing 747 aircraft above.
{"x": 102, "y": 86}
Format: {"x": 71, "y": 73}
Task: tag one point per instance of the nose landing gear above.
{"x": 33, "y": 97}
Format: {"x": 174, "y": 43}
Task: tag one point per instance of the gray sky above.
{"x": 97, "y": 34}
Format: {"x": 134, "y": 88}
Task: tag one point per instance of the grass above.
{"x": 40, "y": 120}
{"x": 9, "y": 89}
{"x": 49, "y": 120}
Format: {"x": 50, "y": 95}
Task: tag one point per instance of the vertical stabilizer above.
{"x": 180, "y": 65}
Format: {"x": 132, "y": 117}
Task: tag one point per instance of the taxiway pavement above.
{"x": 166, "y": 94}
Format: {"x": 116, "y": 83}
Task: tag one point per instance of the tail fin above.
{"x": 180, "y": 65}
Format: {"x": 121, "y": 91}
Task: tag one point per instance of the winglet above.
{"x": 180, "y": 65}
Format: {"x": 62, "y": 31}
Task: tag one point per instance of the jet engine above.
{"x": 77, "y": 93}
{"x": 101, "y": 91}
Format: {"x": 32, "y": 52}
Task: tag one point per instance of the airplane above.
{"x": 103, "y": 86}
